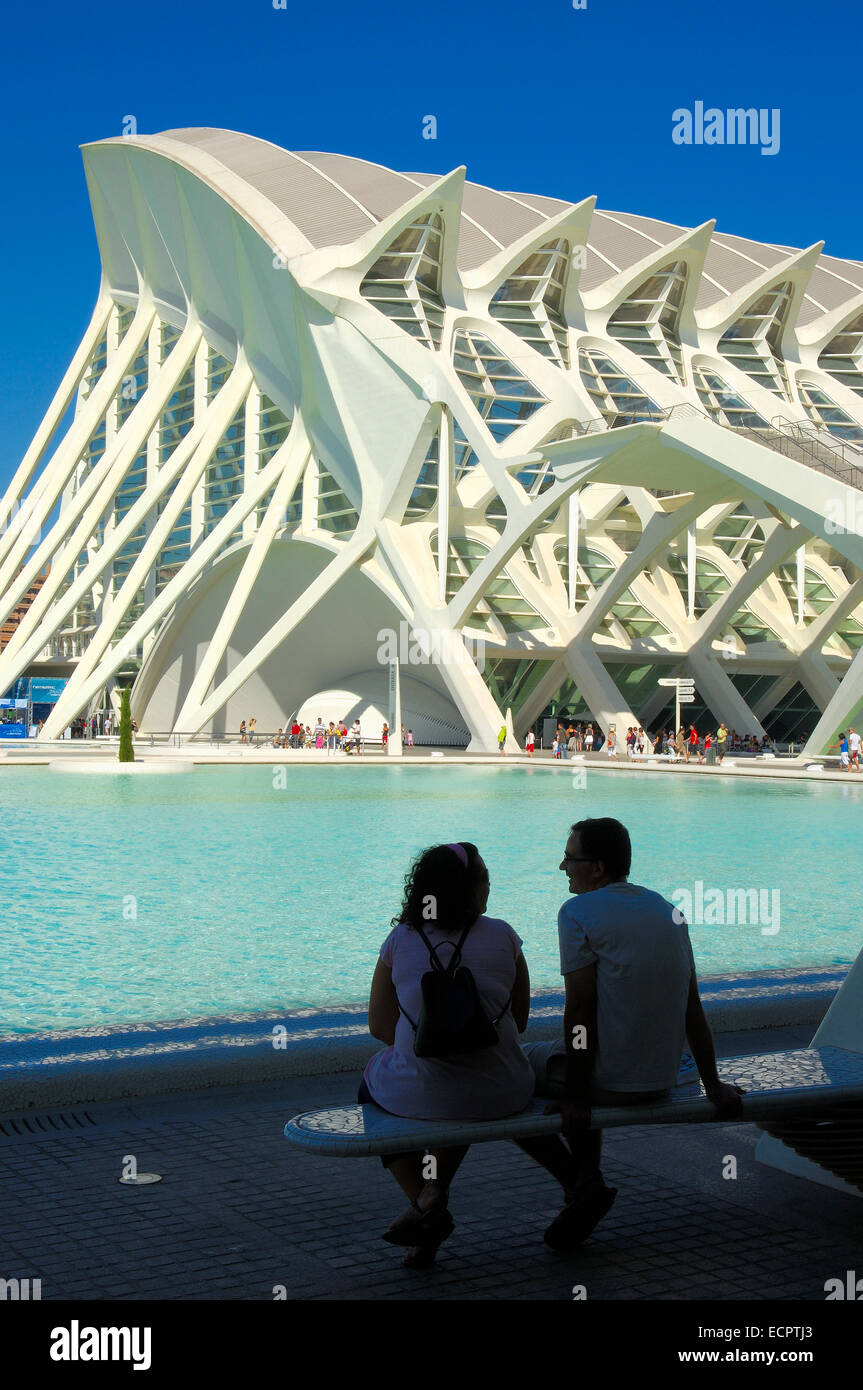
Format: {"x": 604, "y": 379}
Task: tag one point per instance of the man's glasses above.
{"x": 567, "y": 859}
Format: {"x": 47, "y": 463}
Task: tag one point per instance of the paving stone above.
{"x": 238, "y": 1212}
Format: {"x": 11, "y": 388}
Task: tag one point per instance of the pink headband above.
{"x": 460, "y": 851}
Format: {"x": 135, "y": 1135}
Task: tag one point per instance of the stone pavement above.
{"x": 238, "y": 1212}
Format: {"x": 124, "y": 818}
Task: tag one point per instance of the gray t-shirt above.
{"x": 643, "y": 967}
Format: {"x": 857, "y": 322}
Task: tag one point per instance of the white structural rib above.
{"x": 287, "y": 465}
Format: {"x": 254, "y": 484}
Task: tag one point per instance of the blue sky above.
{"x": 532, "y": 97}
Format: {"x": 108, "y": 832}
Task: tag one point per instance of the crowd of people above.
{"x": 103, "y": 724}
{"x": 683, "y": 746}
{"x": 576, "y": 738}
{"x": 334, "y": 737}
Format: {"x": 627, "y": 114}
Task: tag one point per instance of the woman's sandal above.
{"x": 423, "y": 1225}
{"x": 423, "y": 1256}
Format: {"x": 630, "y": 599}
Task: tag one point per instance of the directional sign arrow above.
{"x": 687, "y": 699}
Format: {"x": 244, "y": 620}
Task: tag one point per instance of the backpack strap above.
{"x": 435, "y": 960}
{"x": 437, "y": 964}
{"x": 406, "y": 1014}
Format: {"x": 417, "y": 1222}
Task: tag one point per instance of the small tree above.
{"x": 127, "y": 752}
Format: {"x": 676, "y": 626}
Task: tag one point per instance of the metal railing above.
{"x": 802, "y": 441}
{"x": 450, "y": 737}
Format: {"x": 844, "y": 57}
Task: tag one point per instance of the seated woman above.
{"x": 446, "y": 891}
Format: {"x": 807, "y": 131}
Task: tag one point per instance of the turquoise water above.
{"x": 254, "y": 897}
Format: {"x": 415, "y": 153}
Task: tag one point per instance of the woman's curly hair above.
{"x": 440, "y": 888}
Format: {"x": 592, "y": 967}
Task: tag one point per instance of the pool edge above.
{"x": 75, "y": 1069}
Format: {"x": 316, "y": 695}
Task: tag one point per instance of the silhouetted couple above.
{"x": 447, "y": 973}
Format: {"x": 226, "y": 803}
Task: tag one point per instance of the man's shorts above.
{"x": 548, "y": 1060}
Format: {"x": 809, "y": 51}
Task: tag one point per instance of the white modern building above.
{"x": 570, "y": 451}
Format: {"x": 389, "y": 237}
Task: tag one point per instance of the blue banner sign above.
{"x": 13, "y": 704}
{"x": 46, "y": 690}
{"x": 10, "y": 730}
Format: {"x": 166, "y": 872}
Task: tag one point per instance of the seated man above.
{"x": 631, "y": 999}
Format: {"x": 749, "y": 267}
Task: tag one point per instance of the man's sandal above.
{"x": 579, "y": 1217}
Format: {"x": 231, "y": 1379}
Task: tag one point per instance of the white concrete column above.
{"x": 251, "y": 453}
{"x": 720, "y": 694}
{"x": 574, "y": 515}
{"x": 691, "y": 561}
{"x": 52, "y": 418}
{"x": 394, "y": 746}
{"x": 597, "y": 688}
{"x": 445, "y": 485}
{"x": 15, "y": 572}
{"x": 801, "y": 583}
{"x": 196, "y": 523}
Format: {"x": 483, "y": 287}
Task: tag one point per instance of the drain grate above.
{"x": 62, "y": 1122}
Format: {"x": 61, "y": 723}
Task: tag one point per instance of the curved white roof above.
{"x": 335, "y": 198}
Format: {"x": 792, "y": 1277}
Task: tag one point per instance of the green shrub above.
{"x": 127, "y": 752}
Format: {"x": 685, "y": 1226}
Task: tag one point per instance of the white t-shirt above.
{"x": 482, "y": 1085}
{"x": 854, "y": 743}
{"x": 643, "y": 967}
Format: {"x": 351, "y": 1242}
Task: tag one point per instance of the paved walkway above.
{"x": 104, "y": 752}
{"x": 239, "y": 1213}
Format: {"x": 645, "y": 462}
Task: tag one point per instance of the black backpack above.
{"x": 452, "y": 1020}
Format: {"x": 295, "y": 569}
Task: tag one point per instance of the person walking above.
{"x": 721, "y": 740}
{"x": 385, "y": 735}
{"x": 843, "y": 754}
{"x": 242, "y": 731}
{"x": 529, "y": 743}
{"x": 854, "y": 750}
{"x": 501, "y": 738}
{"x": 693, "y": 742}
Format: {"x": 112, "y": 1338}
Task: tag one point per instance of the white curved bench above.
{"x": 809, "y": 1098}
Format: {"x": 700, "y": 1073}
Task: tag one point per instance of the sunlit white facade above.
{"x": 319, "y": 399}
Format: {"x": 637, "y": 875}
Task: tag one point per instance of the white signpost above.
{"x": 394, "y": 709}
{"x": 684, "y": 694}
